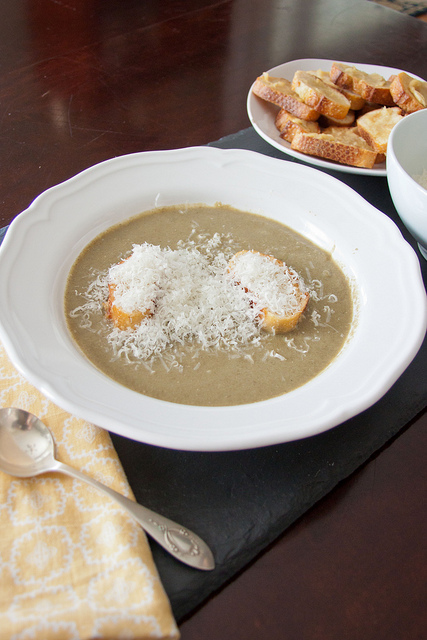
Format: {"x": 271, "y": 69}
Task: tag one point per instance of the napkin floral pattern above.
{"x": 73, "y": 564}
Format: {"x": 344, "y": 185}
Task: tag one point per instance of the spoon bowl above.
{"x": 26, "y": 445}
{"x": 27, "y": 449}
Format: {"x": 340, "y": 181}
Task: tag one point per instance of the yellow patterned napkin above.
{"x": 73, "y": 564}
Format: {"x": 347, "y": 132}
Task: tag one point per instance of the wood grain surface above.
{"x": 82, "y": 81}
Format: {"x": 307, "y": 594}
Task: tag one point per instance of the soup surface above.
{"x": 258, "y": 367}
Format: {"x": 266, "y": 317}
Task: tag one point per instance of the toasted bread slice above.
{"x": 328, "y": 121}
{"x": 408, "y": 93}
{"x": 338, "y": 144}
{"x": 121, "y": 319}
{"x": 370, "y": 86}
{"x": 381, "y": 157}
{"x": 323, "y": 97}
{"x": 368, "y": 106}
{"x": 375, "y": 126}
{"x": 279, "y": 91}
{"x": 267, "y": 278}
{"x": 356, "y": 101}
{"x": 288, "y": 125}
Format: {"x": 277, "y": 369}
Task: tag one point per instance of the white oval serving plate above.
{"x": 43, "y": 242}
{"x": 262, "y": 114}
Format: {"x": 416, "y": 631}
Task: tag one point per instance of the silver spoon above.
{"x": 27, "y": 449}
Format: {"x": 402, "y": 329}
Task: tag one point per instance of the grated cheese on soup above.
{"x": 191, "y": 297}
{"x": 137, "y": 280}
{"x": 192, "y": 301}
{"x": 273, "y": 285}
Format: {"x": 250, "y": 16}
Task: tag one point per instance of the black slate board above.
{"x": 240, "y": 502}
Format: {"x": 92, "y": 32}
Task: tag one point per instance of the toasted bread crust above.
{"x": 409, "y": 93}
{"x": 372, "y": 87}
{"x": 270, "y": 321}
{"x": 321, "y": 96}
{"x": 328, "y": 121}
{"x": 120, "y": 318}
{"x": 288, "y": 125}
{"x": 356, "y": 101}
{"x": 367, "y": 107}
{"x": 375, "y": 126}
{"x": 279, "y": 91}
{"x": 381, "y": 157}
{"x": 350, "y": 149}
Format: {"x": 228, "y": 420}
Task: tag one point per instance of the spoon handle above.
{"x": 179, "y": 541}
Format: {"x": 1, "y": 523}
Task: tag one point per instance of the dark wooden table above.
{"x": 82, "y": 81}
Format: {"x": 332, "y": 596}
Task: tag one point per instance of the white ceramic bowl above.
{"x": 43, "y": 242}
{"x": 406, "y": 158}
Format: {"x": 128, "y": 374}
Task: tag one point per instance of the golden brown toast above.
{"x": 272, "y": 320}
{"x": 338, "y": 144}
{"x": 356, "y": 101}
{"x": 375, "y": 127}
{"x": 288, "y": 125}
{"x": 121, "y": 319}
{"x": 279, "y": 91}
{"x": 370, "y": 86}
{"x": 408, "y": 93}
{"x": 320, "y": 95}
{"x": 328, "y": 121}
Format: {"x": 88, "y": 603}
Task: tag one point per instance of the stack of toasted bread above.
{"x": 344, "y": 115}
